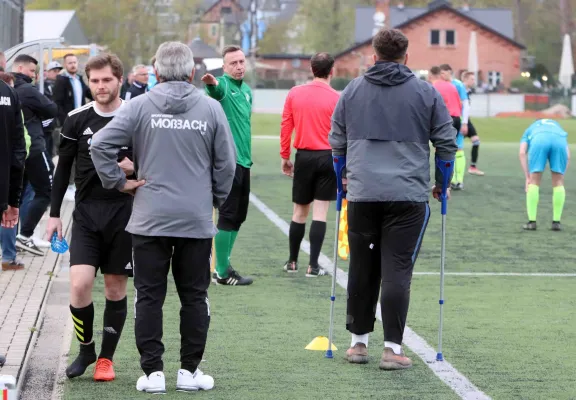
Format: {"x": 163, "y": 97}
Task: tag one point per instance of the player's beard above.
{"x": 108, "y": 99}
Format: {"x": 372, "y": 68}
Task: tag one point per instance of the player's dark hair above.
{"x": 230, "y": 49}
{"x": 69, "y": 55}
{"x": 435, "y": 70}
{"x": 390, "y": 45}
{"x": 25, "y": 59}
{"x": 445, "y": 67}
{"x": 104, "y": 60}
{"x": 467, "y": 74}
{"x": 321, "y": 64}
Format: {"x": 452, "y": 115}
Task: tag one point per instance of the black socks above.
{"x": 114, "y": 318}
{"x": 316, "y": 236}
{"x": 83, "y": 319}
{"x": 295, "y": 236}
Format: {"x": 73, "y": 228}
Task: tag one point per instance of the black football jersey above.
{"x": 75, "y": 140}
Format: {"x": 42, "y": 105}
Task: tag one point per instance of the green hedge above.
{"x": 525, "y": 85}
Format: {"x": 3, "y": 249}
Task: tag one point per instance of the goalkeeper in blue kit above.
{"x": 545, "y": 141}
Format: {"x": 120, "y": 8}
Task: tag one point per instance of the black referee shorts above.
{"x": 99, "y": 236}
{"x": 314, "y": 177}
{"x": 234, "y": 211}
{"x": 457, "y": 123}
{"x": 471, "y": 130}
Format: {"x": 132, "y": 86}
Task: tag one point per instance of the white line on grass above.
{"x": 484, "y": 144}
{"x": 268, "y": 137}
{"x": 443, "y": 370}
{"x": 539, "y": 274}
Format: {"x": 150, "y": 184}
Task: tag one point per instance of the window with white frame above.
{"x": 435, "y": 37}
{"x": 494, "y": 78}
{"x": 450, "y": 37}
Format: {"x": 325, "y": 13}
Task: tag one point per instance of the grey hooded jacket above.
{"x": 383, "y": 123}
{"x": 184, "y": 150}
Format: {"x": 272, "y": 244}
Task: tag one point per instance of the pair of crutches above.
{"x": 446, "y": 168}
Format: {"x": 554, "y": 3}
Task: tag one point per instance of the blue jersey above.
{"x": 544, "y": 129}
{"x": 462, "y": 92}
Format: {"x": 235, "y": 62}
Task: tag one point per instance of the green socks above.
{"x": 558, "y": 198}
{"x": 532, "y": 198}
{"x": 234, "y": 235}
{"x": 459, "y": 167}
{"x": 224, "y": 242}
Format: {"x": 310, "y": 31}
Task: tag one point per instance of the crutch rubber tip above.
{"x": 329, "y": 354}
{"x": 441, "y": 302}
{"x": 439, "y": 357}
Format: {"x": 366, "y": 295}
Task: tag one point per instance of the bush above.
{"x": 525, "y": 85}
{"x": 339, "y": 83}
{"x": 276, "y": 83}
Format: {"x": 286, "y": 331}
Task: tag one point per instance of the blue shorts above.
{"x": 460, "y": 141}
{"x": 545, "y": 149}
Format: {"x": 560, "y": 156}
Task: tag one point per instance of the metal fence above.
{"x": 11, "y": 23}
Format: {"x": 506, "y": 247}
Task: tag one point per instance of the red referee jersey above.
{"x": 308, "y": 110}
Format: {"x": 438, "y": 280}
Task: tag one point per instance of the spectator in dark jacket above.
{"x": 140, "y": 84}
{"x": 126, "y": 85}
{"x": 52, "y": 71}
{"x": 12, "y": 158}
{"x": 36, "y": 108}
{"x": 70, "y": 90}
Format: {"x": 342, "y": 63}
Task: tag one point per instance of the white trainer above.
{"x": 41, "y": 242}
{"x": 188, "y": 382}
{"x": 154, "y": 383}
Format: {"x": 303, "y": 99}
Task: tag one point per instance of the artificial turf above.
{"x": 512, "y": 336}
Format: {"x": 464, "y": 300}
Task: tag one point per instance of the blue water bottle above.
{"x": 58, "y": 246}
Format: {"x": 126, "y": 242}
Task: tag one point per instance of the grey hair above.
{"x": 174, "y": 62}
{"x": 137, "y": 67}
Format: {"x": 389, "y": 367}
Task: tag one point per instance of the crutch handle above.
{"x": 446, "y": 167}
{"x": 339, "y": 165}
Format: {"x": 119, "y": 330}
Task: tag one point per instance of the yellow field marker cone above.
{"x": 320, "y": 343}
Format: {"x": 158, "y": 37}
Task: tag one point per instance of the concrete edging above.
{"x": 39, "y": 321}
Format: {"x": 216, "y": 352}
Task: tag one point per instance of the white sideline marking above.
{"x": 269, "y": 137}
{"x": 540, "y": 274}
{"x": 497, "y": 145}
{"x": 443, "y": 369}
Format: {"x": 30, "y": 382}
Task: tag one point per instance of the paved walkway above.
{"x": 22, "y": 295}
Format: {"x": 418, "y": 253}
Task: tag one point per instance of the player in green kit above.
{"x": 544, "y": 141}
{"x": 235, "y": 97}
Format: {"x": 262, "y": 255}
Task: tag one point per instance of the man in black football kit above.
{"x": 469, "y": 80}
{"x": 99, "y": 239}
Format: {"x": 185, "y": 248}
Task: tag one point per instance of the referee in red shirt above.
{"x": 308, "y": 110}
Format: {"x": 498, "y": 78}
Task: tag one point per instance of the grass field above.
{"x": 514, "y": 337}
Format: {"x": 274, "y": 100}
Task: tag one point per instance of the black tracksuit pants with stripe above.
{"x": 384, "y": 240}
{"x": 190, "y": 261}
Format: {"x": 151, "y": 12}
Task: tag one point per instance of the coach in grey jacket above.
{"x": 383, "y": 123}
{"x": 184, "y": 158}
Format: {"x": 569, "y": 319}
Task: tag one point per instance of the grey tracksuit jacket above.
{"x": 383, "y": 123}
{"x": 183, "y": 148}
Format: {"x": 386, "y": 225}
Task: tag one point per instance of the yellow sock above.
{"x": 532, "y": 198}
{"x": 459, "y": 166}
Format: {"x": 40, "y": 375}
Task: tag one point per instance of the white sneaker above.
{"x": 41, "y": 242}
{"x": 155, "y": 383}
{"x": 188, "y": 382}
{"x": 27, "y": 244}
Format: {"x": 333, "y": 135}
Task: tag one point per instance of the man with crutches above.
{"x": 381, "y": 129}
